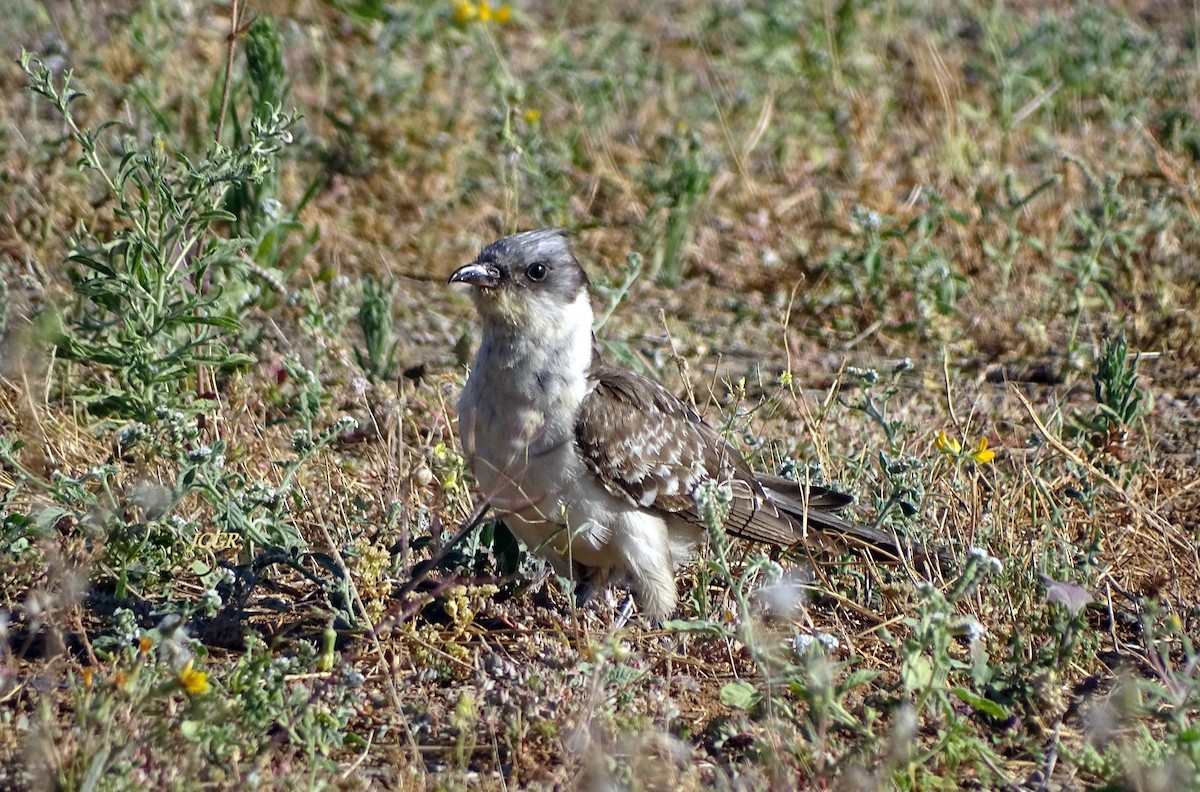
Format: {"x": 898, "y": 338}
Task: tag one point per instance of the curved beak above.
{"x": 485, "y": 276}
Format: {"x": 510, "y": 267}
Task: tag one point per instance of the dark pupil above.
{"x": 536, "y": 271}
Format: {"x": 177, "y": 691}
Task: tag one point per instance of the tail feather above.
{"x": 815, "y": 497}
{"x": 883, "y": 546}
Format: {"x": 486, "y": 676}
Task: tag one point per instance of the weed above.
{"x": 378, "y": 356}
{"x": 1119, "y": 399}
{"x": 166, "y": 715}
{"x": 678, "y": 176}
{"x": 151, "y": 306}
{"x": 897, "y": 261}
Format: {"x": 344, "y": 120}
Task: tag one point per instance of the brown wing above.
{"x": 647, "y": 446}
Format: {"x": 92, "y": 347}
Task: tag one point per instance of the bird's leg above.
{"x": 624, "y": 613}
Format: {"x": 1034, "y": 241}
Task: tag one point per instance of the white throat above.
{"x": 535, "y": 376}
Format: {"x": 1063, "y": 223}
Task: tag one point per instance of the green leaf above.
{"x": 48, "y": 517}
{"x": 225, "y": 322}
{"x": 92, "y": 264}
{"x": 329, "y": 563}
{"x": 699, "y": 626}
{"x": 863, "y": 676}
{"x": 740, "y": 695}
{"x": 981, "y": 704}
{"x": 217, "y": 216}
{"x": 917, "y": 672}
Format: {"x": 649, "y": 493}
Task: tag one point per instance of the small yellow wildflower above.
{"x": 947, "y": 445}
{"x": 87, "y": 677}
{"x": 982, "y": 455}
{"x": 533, "y": 116}
{"x": 953, "y": 448}
{"x": 465, "y": 11}
{"x": 193, "y": 681}
{"x": 144, "y": 644}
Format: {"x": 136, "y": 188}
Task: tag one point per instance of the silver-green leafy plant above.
{"x": 150, "y": 308}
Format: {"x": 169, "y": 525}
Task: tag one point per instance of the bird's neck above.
{"x": 529, "y": 381}
{"x": 546, "y": 345}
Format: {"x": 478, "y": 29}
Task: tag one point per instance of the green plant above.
{"x": 615, "y": 295}
{"x": 378, "y": 356}
{"x": 150, "y": 714}
{"x": 1016, "y": 241}
{"x": 933, "y": 678}
{"x": 903, "y": 471}
{"x": 20, "y": 535}
{"x": 148, "y": 541}
{"x": 150, "y": 304}
{"x": 1119, "y": 399}
{"x": 901, "y": 261}
{"x": 301, "y": 394}
{"x": 1087, "y": 63}
{"x": 874, "y": 403}
{"x": 258, "y": 214}
{"x": 1171, "y": 695}
{"x": 678, "y": 177}
{"x": 1147, "y": 729}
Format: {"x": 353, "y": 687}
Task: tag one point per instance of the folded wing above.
{"x": 649, "y": 447}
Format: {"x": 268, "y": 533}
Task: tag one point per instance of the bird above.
{"x": 596, "y": 467}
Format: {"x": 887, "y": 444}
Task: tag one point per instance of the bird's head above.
{"x": 530, "y": 280}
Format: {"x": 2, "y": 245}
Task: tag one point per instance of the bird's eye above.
{"x": 536, "y": 271}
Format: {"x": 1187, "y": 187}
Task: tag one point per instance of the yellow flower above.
{"x": 193, "y": 681}
{"x": 982, "y": 455}
{"x": 145, "y": 644}
{"x": 947, "y": 445}
{"x": 465, "y": 11}
{"x": 533, "y": 116}
{"x": 952, "y": 448}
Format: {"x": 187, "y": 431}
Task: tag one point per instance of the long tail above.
{"x": 819, "y": 520}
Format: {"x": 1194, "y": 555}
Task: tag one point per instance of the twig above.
{"x": 231, "y": 40}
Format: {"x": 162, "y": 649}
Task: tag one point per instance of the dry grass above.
{"x": 757, "y": 134}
